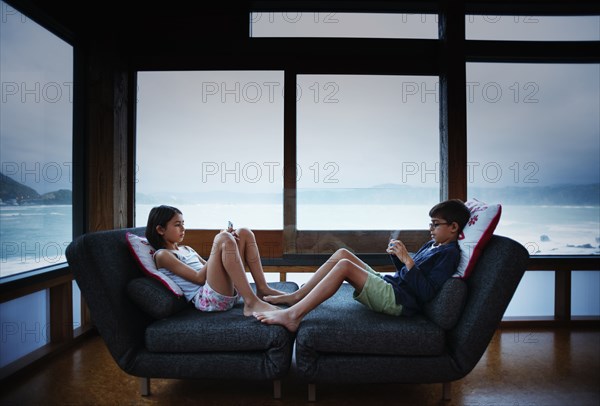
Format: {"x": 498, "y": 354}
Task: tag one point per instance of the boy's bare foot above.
{"x": 268, "y": 291}
{"x": 258, "y": 306}
{"x": 282, "y": 299}
{"x": 281, "y": 317}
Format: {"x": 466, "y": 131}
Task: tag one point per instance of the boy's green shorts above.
{"x": 378, "y": 295}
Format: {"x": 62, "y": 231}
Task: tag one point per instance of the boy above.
{"x": 416, "y": 282}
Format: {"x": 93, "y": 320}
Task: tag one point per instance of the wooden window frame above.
{"x": 103, "y": 186}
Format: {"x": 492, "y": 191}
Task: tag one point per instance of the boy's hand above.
{"x": 397, "y": 248}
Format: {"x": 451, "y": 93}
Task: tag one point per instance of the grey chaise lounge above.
{"x": 339, "y": 341}
{"x": 185, "y": 344}
{"x": 342, "y": 341}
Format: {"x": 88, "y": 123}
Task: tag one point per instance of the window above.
{"x": 533, "y": 28}
{"x": 76, "y": 300}
{"x": 368, "y": 151}
{"x": 36, "y": 139}
{"x": 584, "y": 293}
{"x": 211, "y": 144}
{"x": 25, "y": 326}
{"x": 534, "y": 296}
{"x": 343, "y": 25}
{"x": 533, "y": 145}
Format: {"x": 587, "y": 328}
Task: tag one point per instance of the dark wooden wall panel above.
{"x": 107, "y": 146}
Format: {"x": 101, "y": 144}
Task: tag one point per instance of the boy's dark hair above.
{"x": 159, "y": 216}
{"x": 453, "y": 210}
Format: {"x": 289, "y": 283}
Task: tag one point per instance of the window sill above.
{"x": 14, "y": 286}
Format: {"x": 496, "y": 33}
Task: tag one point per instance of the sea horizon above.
{"x": 37, "y": 236}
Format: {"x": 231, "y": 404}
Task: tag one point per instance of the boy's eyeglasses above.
{"x": 436, "y": 225}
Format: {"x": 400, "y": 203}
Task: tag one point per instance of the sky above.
{"x": 36, "y": 75}
{"x": 528, "y": 125}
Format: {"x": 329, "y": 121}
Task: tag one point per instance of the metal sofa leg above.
{"x": 446, "y": 390}
{"x": 145, "y": 386}
{"x": 277, "y": 389}
{"x": 312, "y": 392}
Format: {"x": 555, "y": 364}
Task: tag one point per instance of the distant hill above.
{"x": 557, "y": 195}
{"x": 562, "y": 195}
{"x": 577, "y": 195}
{"x": 61, "y": 196}
{"x": 13, "y": 191}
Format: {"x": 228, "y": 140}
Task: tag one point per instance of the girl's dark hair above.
{"x": 453, "y": 210}
{"x": 159, "y": 216}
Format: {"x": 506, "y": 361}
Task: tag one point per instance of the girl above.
{"x": 211, "y": 285}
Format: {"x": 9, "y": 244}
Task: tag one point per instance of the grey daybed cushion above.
{"x": 154, "y": 298}
{"x": 445, "y": 309}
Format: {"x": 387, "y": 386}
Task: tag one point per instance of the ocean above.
{"x": 543, "y": 230}
{"x": 37, "y": 236}
{"x": 33, "y": 237}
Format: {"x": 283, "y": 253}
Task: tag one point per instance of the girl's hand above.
{"x": 201, "y": 275}
{"x": 397, "y": 248}
{"x": 232, "y": 232}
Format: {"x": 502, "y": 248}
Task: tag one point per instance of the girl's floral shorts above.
{"x": 208, "y": 300}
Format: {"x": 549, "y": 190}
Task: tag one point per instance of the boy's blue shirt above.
{"x": 433, "y": 266}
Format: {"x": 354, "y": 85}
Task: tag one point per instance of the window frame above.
{"x": 453, "y": 105}
{"x": 304, "y": 56}
{"x": 77, "y": 145}
{"x": 57, "y": 279}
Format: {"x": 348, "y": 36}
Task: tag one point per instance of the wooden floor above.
{"x": 519, "y": 368}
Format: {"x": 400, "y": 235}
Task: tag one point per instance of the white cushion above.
{"x": 476, "y": 234}
{"x": 144, "y": 255}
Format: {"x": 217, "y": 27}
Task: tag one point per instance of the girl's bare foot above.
{"x": 281, "y": 317}
{"x": 258, "y": 306}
